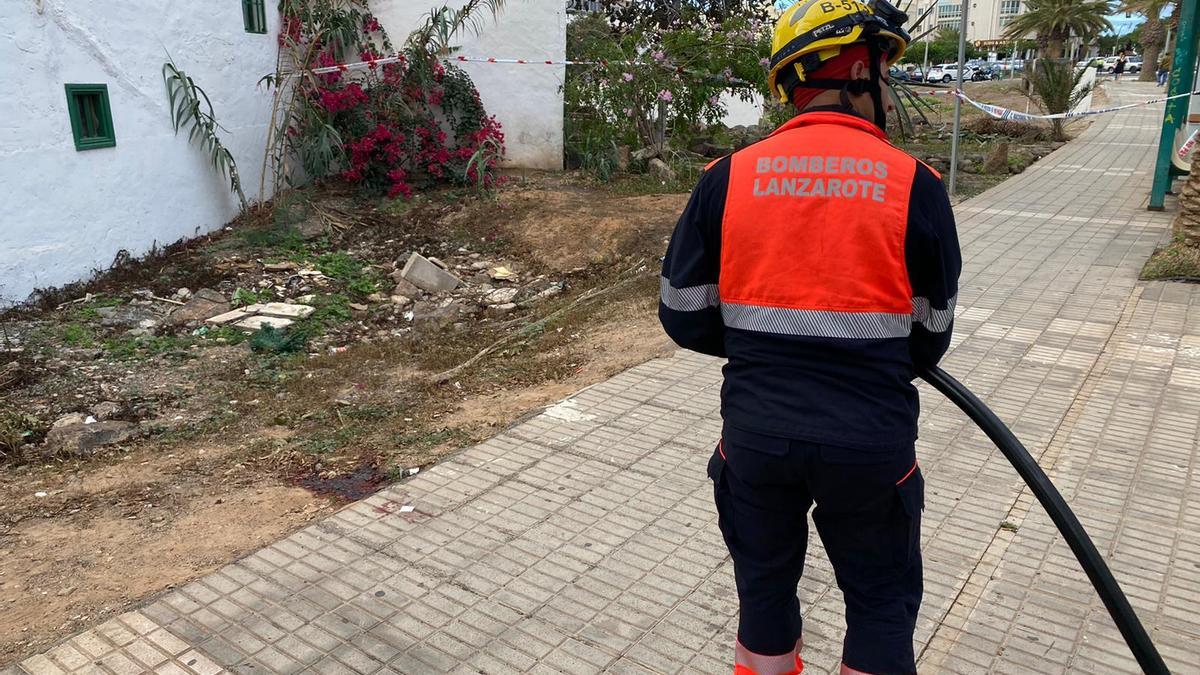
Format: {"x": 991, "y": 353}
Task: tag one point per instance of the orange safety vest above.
{"x": 812, "y": 244}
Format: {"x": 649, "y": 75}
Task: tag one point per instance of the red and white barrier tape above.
{"x": 1189, "y": 144}
{"x": 385, "y": 60}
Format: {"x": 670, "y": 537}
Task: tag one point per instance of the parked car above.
{"x": 947, "y": 72}
{"x": 1133, "y": 64}
{"x": 898, "y": 74}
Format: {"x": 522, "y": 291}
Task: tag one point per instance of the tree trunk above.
{"x": 1187, "y": 223}
{"x": 1054, "y": 48}
{"x": 1153, "y": 37}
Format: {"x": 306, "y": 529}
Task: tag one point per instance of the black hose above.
{"x": 1085, "y": 551}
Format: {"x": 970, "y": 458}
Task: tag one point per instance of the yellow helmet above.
{"x": 811, "y": 32}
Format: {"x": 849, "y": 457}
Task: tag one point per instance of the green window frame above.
{"x": 254, "y": 15}
{"x": 91, "y": 116}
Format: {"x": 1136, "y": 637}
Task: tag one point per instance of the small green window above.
{"x": 91, "y": 117}
{"x": 254, "y": 14}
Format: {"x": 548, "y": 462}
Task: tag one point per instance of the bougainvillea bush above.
{"x": 391, "y": 127}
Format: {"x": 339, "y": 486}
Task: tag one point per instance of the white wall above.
{"x": 527, "y": 99}
{"x": 64, "y": 213}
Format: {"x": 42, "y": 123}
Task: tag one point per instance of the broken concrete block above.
{"x": 428, "y": 276}
{"x": 256, "y": 322}
{"x": 286, "y": 310}
{"x": 203, "y": 304}
{"x": 229, "y": 317}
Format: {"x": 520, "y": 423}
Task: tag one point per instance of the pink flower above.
{"x": 714, "y": 100}
{"x": 659, "y": 56}
{"x": 666, "y": 95}
{"x": 764, "y": 62}
{"x": 628, "y": 77}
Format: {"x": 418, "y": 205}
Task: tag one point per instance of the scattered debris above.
{"x": 253, "y": 317}
{"x": 427, "y": 276}
{"x": 503, "y": 274}
{"x": 501, "y": 296}
{"x": 203, "y": 304}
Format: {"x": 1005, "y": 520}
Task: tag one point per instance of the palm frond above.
{"x": 190, "y": 105}
{"x": 443, "y": 23}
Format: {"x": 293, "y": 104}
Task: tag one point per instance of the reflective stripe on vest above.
{"x": 812, "y": 241}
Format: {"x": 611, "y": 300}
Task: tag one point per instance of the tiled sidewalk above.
{"x": 584, "y": 539}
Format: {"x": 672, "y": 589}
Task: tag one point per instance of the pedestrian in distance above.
{"x": 823, "y": 262}
{"x": 1164, "y": 69}
{"x": 1119, "y": 66}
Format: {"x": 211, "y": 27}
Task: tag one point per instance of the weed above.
{"x": 242, "y": 297}
{"x": 327, "y": 441}
{"x": 340, "y": 266}
{"x": 16, "y": 430}
{"x": 362, "y": 286}
{"x": 331, "y": 310}
{"x": 424, "y": 440}
{"x": 277, "y": 238}
{"x": 367, "y": 412}
{"x": 129, "y": 348}
{"x": 77, "y": 335}
{"x": 1175, "y": 261}
{"x": 226, "y": 335}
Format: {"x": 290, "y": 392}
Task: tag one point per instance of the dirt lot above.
{"x": 232, "y": 446}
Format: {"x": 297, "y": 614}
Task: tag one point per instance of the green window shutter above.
{"x": 254, "y": 16}
{"x": 91, "y": 116}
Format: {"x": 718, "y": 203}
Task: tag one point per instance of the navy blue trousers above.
{"x": 868, "y": 515}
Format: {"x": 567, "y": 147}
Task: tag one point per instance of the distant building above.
{"x": 986, "y": 20}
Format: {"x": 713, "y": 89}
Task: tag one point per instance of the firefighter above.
{"x": 823, "y": 262}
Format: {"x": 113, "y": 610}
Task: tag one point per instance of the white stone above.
{"x": 228, "y": 317}
{"x": 256, "y": 322}
{"x": 285, "y": 309}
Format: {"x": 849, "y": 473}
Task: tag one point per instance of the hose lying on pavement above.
{"x": 1085, "y": 551}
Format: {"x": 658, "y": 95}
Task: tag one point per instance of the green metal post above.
{"x": 1182, "y": 79}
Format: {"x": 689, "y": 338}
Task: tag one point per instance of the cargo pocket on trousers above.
{"x": 716, "y": 472}
{"x": 910, "y": 493}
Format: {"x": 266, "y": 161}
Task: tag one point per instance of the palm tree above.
{"x": 1187, "y": 222}
{"x": 1055, "y": 21}
{"x": 1153, "y": 32}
